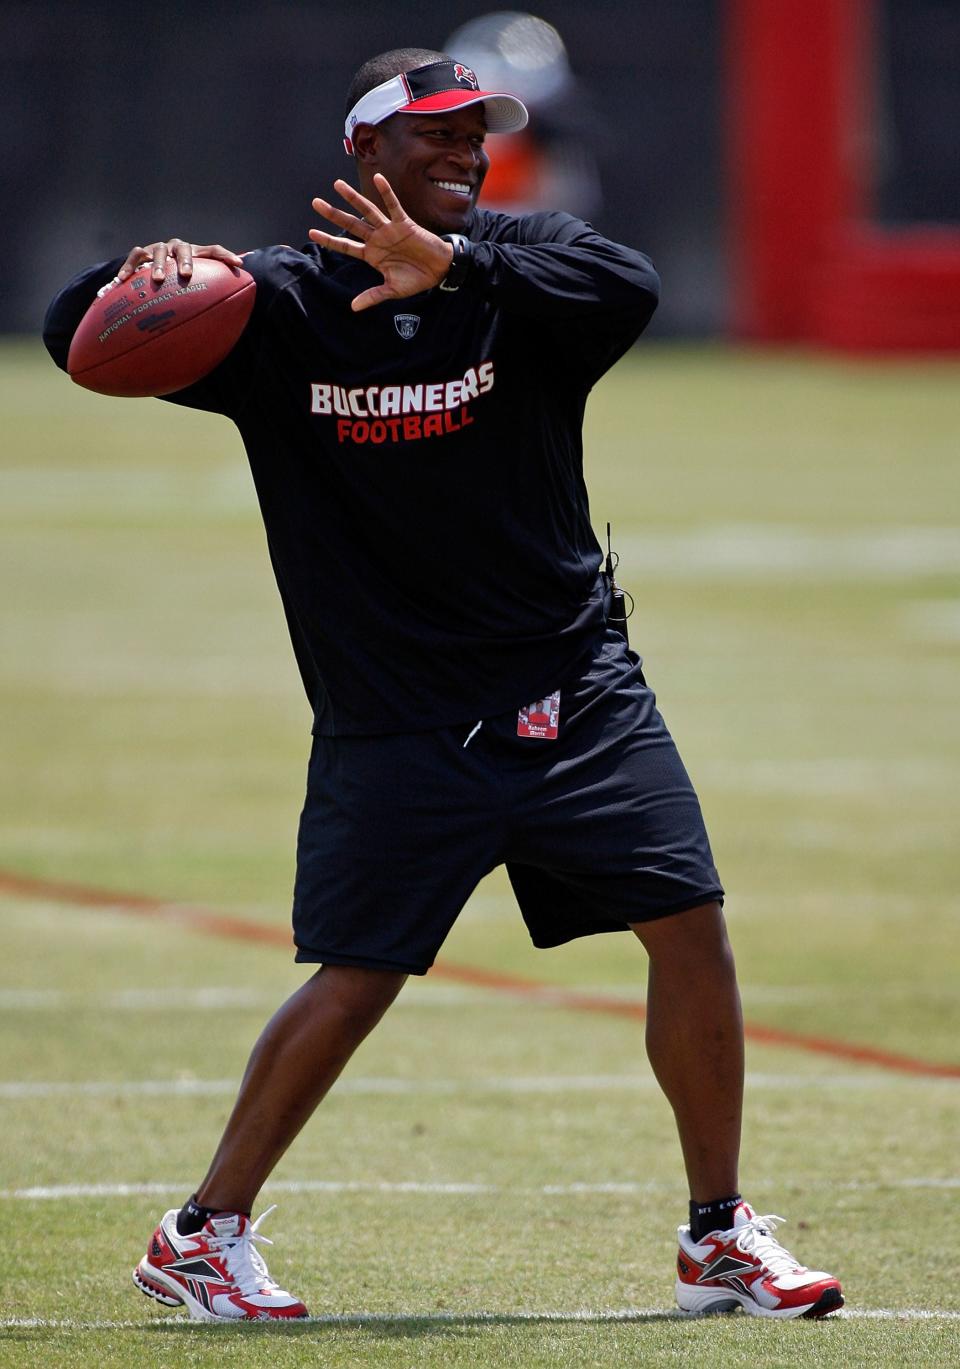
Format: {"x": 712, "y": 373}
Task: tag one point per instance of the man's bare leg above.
{"x": 301, "y": 1052}
{"x": 695, "y": 1042}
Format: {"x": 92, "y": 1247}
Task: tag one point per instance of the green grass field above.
{"x": 496, "y": 1180}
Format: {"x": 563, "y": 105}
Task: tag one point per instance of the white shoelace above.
{"x": 243, "y": 1260}
{"x": 756, "y": 1238}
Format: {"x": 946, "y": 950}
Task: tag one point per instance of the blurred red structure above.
{"x": 808, "y": 265}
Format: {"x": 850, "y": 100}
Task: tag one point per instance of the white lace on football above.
{"x": 243, "y": 1260}
{"x": 756, "y": 1238}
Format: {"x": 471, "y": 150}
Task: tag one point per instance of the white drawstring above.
{"x": 473, "y": 734}
{"x": 243, "y": 1260}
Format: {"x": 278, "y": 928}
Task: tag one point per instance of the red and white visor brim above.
{"x": 504, "y": 113}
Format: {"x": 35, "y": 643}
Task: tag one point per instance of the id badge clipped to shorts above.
{"x": 541, "y": 719}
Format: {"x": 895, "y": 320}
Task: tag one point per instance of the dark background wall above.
{"x": 220, "y": 122}
{"x": 918, "y": 172}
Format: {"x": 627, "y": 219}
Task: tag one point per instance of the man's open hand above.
{"x": 409, "y": 258}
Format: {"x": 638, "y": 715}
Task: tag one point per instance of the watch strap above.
{"x": 460, "y": 264}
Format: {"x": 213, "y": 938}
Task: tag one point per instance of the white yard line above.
{"x": 864, "y": 1081}
{"x": 772, "y": 551}
{"x": 414, "y": 1317}
{"x": 214, "y": 997}
{"x": 623, "y": 1188}
{"x": 211, "y": 998}
{"x": 839, "y": 776}
{"x": 899, "y": 1314}
{"x": 933, "y": 620}
{"x": 28, "y": 490}
{"x": 759, "y": 549}
{"x": 126, "y": 1088}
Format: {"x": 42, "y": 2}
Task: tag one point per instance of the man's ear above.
{"x": 366, "y": 140}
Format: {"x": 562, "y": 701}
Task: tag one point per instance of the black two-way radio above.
{"x": 618, "y": 615}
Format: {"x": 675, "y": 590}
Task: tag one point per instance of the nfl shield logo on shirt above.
{"x": 406, "y": 325}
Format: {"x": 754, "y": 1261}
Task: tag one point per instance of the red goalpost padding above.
{"x": 808, "y": 264}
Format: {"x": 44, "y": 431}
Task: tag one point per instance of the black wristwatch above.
{"x": 460, "y": 265}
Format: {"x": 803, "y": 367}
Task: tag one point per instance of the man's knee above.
{"x": 695, "y": 934}
{"x": 353, "y": 993}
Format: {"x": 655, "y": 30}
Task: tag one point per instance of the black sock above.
{"x": 192, "y": 1217}
{"x": 713, "y": 1216}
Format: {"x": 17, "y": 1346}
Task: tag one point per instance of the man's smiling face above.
{"x": 434, "y": 162}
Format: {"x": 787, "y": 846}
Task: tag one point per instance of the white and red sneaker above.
{"x": 217, "y": 1273}
{"x": 748, "y": 1267}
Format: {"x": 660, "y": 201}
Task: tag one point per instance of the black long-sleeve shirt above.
{"x": 419, "y": 464}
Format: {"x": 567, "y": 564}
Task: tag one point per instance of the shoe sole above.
{"x": 155, "y": 1284}
{"x": 153, "y": 1290}
{"x": 705, "y": 1302}
{"x": 831, "y": 1300}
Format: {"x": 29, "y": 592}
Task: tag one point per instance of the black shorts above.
{"x": 598, "y": 828}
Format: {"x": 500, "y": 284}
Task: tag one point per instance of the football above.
{"x": 151, "y": 337}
